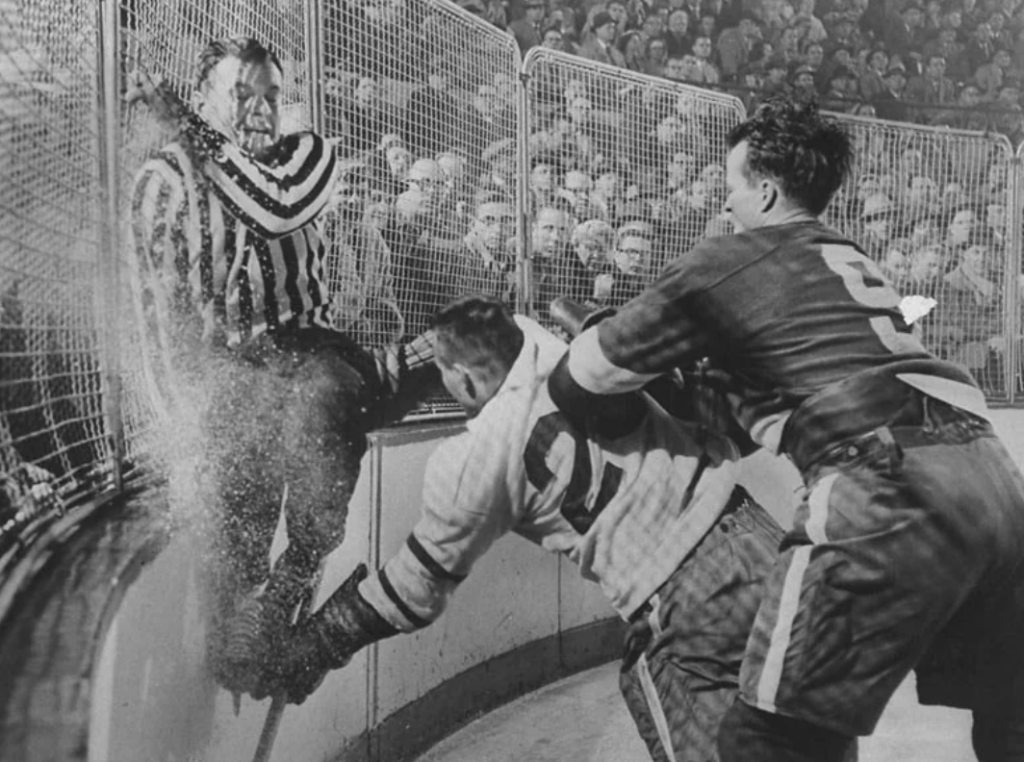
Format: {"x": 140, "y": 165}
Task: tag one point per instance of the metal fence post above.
{"x": 1015, "y": 215}
{"x": 108, "y": 118}
{"x": 313, "y": 20}
{"x": 524, "y": 288}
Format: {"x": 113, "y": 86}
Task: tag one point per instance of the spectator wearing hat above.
{"x": 905, "y": 30}
{"x": 841, "y": 56}
{"x": 840, "y": 94}
{"x": 844, "y": 33}
{"x": 802, "y": 83}
{"x": 600, "y": 45}
{"x": 529, "y": 30}
{"x": 889, "y": 103}
{"x": 967, "y": 115}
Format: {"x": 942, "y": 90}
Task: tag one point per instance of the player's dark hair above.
{"x": 246, "y": 49}
{"x": 790, "y": 142}
{"x": 478, "y": 331}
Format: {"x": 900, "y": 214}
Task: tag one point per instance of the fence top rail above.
{"x": 538, "y": 57}
{"x": 922, "y": 131}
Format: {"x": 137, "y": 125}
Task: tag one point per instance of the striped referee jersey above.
{"x": 231, "y": 240}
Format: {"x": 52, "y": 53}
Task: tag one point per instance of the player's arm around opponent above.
{"x": 647, "y": 506}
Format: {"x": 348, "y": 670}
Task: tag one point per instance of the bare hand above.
{"x": 154, "y": 93}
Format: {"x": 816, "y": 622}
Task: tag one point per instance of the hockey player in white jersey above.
{"x": 646, "y": 505}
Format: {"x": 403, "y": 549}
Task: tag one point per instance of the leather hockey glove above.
{"x": 324, "y": 641}
{"x": 574, "y": 317}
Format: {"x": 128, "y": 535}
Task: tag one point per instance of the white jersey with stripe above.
{"x": 627, "y": 511}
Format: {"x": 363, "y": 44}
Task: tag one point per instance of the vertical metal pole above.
{"x": 524, "y": 266}
{"x": 314, "y": 63}
{"x": 108, "y": 117}
{"x": 1011, "y": 320}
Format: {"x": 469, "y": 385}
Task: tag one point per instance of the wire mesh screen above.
{"x": 167, "y": 38}
{"x": 165, "y": 41}
{"x": 52, "y": 430}
{"x": 626, "y": 172}
{"x": 421, "y": 97}
{"x": 933, "y": 209}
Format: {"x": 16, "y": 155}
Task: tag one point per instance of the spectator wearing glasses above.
{"x": 632, "y": 258}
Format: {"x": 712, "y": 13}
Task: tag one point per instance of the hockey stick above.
{"x": 270, "y": 725}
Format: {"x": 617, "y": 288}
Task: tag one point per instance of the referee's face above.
{"x": 240, "y": 99}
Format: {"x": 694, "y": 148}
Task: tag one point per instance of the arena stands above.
{"x": 481, "y": 152}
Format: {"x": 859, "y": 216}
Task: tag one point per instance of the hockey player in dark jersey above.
{"x": 908, "y": 548}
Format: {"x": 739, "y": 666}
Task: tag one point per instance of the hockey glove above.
{"x": 574, "y": 317}
{"x": 326, "y": 640}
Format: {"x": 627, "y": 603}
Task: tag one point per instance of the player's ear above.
{"x": 198, "y": 100}
{"x": 466, "y": 382}
{"x": 769, "y": 194}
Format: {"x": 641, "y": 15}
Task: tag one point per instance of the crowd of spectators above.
{"x": 957, "y": 63}
{"x": 625, "y": 173}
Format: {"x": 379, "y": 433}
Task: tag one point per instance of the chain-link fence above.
{"x": 421, "y": 98}
{"x": 934, "y": 208}
{"x": 626, "y": 172}
{"x": 464, "y": 169}
{"x": 52, "y": 432}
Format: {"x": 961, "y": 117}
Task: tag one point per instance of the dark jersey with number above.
{"x": 788, "y": 310}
